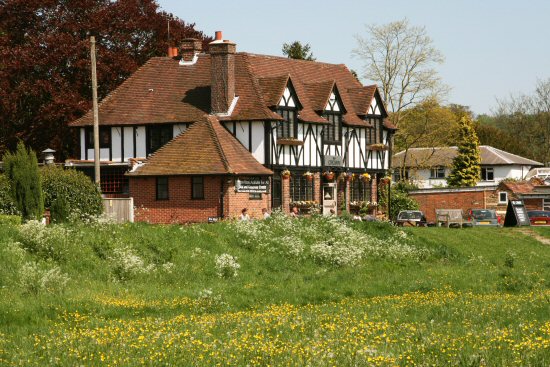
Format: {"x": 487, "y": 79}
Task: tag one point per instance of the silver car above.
{"x": 483, "y": 217}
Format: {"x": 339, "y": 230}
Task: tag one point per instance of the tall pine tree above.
{"x": 26, "y": 188}
{"x": 465, "y": 170}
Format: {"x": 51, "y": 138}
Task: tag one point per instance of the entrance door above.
{"x": 329, "y": 199}
{"x": 276, "y": 193}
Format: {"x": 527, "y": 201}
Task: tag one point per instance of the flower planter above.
{"x": 377, "y": 147}
{"x": 289, "y": 142}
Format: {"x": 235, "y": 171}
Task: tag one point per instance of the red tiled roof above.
{"x": 162, "y": 91}
{"x": 205, "y": 148}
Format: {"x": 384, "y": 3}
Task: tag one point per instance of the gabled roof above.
{"x": 443, "y": 156}
{"x": 205, "y": 148}
{"x": 162, "y": 91}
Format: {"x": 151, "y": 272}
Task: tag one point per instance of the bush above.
{"x": 26, "y": 191}
{"x": 400, "y": 200}
{"x": 7, "y": 204}
{"x": 68, "y": 192}
{"x": 10, "y": 219}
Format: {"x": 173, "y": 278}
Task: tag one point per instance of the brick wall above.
{"x": 180, "y": 208}
{"x": 429, "y": 202}
{"x": 533, "y": 204}
{"x": 236, "y": 201}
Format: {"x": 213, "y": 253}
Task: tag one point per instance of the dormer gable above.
{"x": 334, "y": 102}
{"x": 376, "y": 107}
{"x": 289, "y": 98}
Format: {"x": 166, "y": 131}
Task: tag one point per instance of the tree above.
{"x": 22, "y": 172}
{"x": 296, "y": 50}
{"x": 465, "y": 171}
{"x": 401, "y": 58}
{"x": 426, "y": 125}
{"x": 526, "y": 117}
{"x": 45, "y": 61}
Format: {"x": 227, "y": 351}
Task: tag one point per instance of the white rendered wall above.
{"x": 116, "y": 144}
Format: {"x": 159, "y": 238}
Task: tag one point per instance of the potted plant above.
{"x": 365, "y": 177}
{"x": 309, "y": 176}
{"x": 285, "y": 174}
{"x": 328, "y": 175}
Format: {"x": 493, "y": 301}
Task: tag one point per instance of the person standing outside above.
{"x": 244, "y": 215}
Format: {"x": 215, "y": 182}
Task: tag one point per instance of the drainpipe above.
{"x": 222, "y": 195}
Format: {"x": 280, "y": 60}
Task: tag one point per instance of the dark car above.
{"x": 483, "y": 217}
{"x": 411, "y": 218}
{"x": 539, "y": 217}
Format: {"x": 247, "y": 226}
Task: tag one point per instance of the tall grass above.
{"x": 317, "y": 291}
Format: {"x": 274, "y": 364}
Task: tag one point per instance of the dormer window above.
{"x": 287, "y": 109}
{"x": 333, "y": 114}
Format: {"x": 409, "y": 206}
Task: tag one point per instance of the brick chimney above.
{"x": 189, "y": 48}
{"x": 222, "y": 71}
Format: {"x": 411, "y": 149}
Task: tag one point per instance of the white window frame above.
{"x": 487, "y": 169}
{"x": 437, "y": 170}
{"x": 500, "y": 195}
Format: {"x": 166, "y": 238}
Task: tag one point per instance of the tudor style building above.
{"x": 280, "y": 116}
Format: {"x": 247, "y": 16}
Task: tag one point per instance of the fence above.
{"x": 120, "y": 209}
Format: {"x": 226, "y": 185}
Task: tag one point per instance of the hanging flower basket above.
{"x": 328, "y": 175}
{"x": 309, "y": 176}
{"x": 377, "y": 147}
{"x": 385, "y": 180}
{"x": 285, "y": 174}
{"x": 365, "y": 177}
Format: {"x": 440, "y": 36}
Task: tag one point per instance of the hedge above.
{"x": 7, "y": 204}
{"x": 67, "y": 191}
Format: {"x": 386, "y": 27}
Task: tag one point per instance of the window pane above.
{"x": 198, "y": 187}
{"x": 301, "y": 189}
{"x": 162, "y": 188}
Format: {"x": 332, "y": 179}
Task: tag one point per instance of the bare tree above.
{"x": 401, "y": 58}
{"x": 527, "y": 118}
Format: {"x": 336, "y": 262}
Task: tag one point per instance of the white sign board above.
{"x": 257, "y": 185}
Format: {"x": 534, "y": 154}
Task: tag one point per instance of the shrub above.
{"x": 36, "y": 278}
{"x": 48, "y": 242}
{"x": 26, "y": 190}
{"x": 126, "y": 264}
{"x": 10, "y": 219}
{"x": 69, "y": 191}
{"x": 227, "y": 266}
{"x": 7, "y": 204}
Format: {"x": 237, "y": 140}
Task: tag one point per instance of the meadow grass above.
{"x": 307, "y": 292}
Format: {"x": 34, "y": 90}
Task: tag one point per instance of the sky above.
{"x": 492, "y": 48}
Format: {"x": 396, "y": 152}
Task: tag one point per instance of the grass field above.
{"x": 317, "y": 292}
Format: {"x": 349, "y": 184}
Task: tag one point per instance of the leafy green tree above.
{"x": 465, "y": 171}
{"x": 296, "y": 50}
{"x": 26, "y": 189}
{"x": 399, "y": 200}
{"x": 426, "y": 125}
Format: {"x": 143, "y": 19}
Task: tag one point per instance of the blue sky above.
{"x": 492, "y": 48}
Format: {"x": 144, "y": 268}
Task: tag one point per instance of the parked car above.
{"x": 411, "y": 218}
{"x": 482, "y": 217}
{"x": 539, "y": 217}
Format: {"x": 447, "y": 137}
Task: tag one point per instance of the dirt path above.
{"x": 529, "y": 232}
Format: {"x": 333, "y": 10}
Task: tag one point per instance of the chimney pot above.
{"x": 218, "y": 36}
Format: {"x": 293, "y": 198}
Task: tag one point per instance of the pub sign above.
{"x": 255, "y": 185}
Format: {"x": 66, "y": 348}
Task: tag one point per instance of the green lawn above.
{"x": 305, "y": 292}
